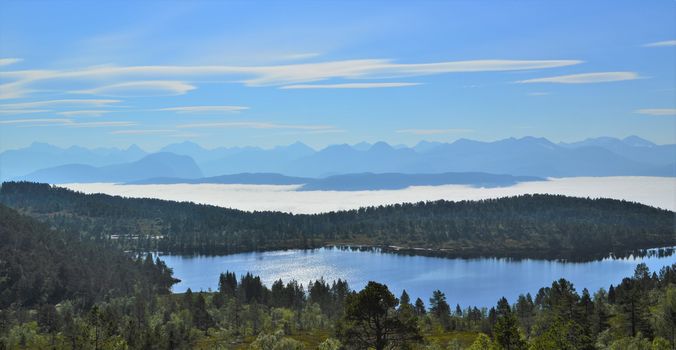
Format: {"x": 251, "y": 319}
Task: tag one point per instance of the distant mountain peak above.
{"x": 636, "y": 141}
{"x": 300, "y": 145}
{"x": 425, "y": 146}
{"x": 535, "y": 139}
{"x": 339, "y": 147}
{"x": 362, "y": 146}
{"x": 42, "y": 146}
{"x": 381, "y": 146}
{"x": 134, "y": 147}
{"x": 189, "y": 143}
{"x": 185, "y": 147}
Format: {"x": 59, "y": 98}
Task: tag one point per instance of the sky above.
{"x": 151, "y": 73}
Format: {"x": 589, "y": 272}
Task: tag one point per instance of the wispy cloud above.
{"x": 52, "y": 103}
{"x": 311, "y": 132}
{"x": 657, "y": 111}
{"x": 349, "y": 86}
{"x": 21, "y": 111}
{"x": 83, "y": 113}
{"x": 433, "y": 131}
{"x": 65, "y": 122}
{"x": 585, "y": 78}
{"x": 8, "y": 61}
{"x": 322, "y": 131}
{"x": 205, "y": 109}
{"x": 142, "y": 132}
{"x": 100, "y": 124}
{"x": 254, "y": 125}
{"x": 32, "y": 121}
{"x": 185, "y": 135}
{"x": 142, "y": 88}
{"x": 661, "y": 43}
{"x": 299, "y": 56}
{"x": 272, "y": 75}
{"x": 326, "y": 131}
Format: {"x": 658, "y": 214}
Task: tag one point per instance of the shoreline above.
{"x": 444, "y": 254}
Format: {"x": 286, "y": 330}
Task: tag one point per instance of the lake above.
{"x": 655, "y": 191}
{"x": 476, "y": 282}
{"x": 479, "y": 282}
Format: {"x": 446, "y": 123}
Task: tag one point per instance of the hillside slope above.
{"x": 535, "y": 226}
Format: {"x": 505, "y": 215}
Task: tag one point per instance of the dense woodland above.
{"x": 533, "y": 226}
{"x": 59, "y": 291}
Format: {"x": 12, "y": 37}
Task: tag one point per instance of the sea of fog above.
{"x": 655, "y": 191}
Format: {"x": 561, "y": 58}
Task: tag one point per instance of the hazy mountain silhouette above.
{"x": 527, "y": 156}
{"x": 242, "y": 179}
{"x": 343, "y": 159}
{"x": 37, "y": 156}
{"x": 153, "y": 165}
{"x": 633, "y": 148}
{"x": 254, "y": 159}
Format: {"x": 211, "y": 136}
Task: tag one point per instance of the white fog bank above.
{"x": 655, "y": 191}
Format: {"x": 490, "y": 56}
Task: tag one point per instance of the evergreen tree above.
{"x": 506, "y": 329}
{"x": 371, "y": 321}
{"x": 404, "y": 299}
{"x": 419, "y": 307}
{"x": 440, "y": 309}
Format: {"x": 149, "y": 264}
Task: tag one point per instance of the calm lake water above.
{"x": 476, "y": 282}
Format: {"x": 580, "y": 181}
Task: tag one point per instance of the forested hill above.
{"x": 534, "y": 226}
{"x": 41, "y": 265}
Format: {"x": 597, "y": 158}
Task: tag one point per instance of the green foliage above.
{"x": 535, "y": 226}
{"x": 482, "y": 342}
{"x": 64, "y": 286}
{"x": 329, "y": 344}
{"x": 275, "y": 341}
{"x": 40, "y": 265}
{"x": 440, "y": 309}
{"x": 562, "y": 335}
{"x": 506, "y": 330}
{"x": 664, "y": 316}
{"x": 371, "y": 320}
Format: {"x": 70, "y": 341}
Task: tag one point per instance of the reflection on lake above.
{"x": 476, "y": 282}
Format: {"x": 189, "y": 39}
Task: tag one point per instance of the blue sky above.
{"x": 242, "y": 73}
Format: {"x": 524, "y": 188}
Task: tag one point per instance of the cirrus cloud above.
{"x": 141, "y": 88}
{"x": 83, "y": 113}
{"x": 204, "y": 109}
{"x": 661, "y": 43}
{"x": 8, "y": 61}
{"x": 38, "y": 120}
{"x": 584, "y": 78}
{"x": 349, "y": 86}
{"x": 657, "y": 111}
{"x": 22, "y": 111}
{"x": 142, "y": 132}
{"x": 21, "y": 81}
{"x": 254, "y": 125}
{"x": 64, "y": 122}
{"x": 53, "y": 103}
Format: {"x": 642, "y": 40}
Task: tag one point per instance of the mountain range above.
{"x": 153, "y": 165}
{"x": 527, "y": 156}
